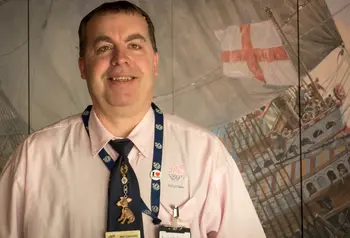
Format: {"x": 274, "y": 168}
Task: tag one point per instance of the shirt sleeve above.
{"x": 228, "y": 210}
{"x": 12, "y": 196}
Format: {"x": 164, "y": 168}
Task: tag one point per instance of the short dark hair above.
{"x": 114, "y": 7}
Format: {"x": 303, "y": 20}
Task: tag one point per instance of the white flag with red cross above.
{"x": 255, "y": 50}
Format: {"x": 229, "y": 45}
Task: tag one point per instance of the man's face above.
{"x": 119, "y": 63}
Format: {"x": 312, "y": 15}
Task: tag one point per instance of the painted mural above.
{"x": 293, "y": 152}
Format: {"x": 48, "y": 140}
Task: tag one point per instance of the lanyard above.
{"x": 156, "y": 164}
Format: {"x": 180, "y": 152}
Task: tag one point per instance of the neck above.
{"x": 120, "y": 123}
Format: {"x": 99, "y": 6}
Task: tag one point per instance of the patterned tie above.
{"x": 123, "y": 197}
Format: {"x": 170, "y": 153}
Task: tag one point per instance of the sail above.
{"x": 333, "y": 73}
{"x": 340, "y": 10}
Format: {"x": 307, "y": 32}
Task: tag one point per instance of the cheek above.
{"x": 98, "y": 67}
{"x": 144, "y": 62}
{"x": 147, "y": 66}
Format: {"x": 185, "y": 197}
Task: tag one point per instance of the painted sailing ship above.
{"x": 297, "y": 169}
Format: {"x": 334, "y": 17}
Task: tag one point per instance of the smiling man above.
{"x": 119, "y": 59}
{"x": 122, "y": 168}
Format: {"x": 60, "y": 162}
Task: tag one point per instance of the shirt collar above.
{"x": 142, "y": 135}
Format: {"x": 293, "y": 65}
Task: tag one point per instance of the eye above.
{"x": 104, "y": 48}
{"x": 134, "y": 46}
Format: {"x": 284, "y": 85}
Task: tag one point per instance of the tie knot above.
{"x": 122, "y": 146}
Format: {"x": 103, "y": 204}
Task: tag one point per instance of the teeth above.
{"x": 122, "y": 78}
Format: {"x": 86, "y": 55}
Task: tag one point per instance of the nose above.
{"x": 120, "y": 56}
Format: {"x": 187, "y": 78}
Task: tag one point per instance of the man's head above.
{"x": 114, "y": 7}
{"x": 118, "y": 56}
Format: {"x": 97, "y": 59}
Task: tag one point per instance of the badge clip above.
{"x": 174, "y": 230}
{"x": 175, "y": 217}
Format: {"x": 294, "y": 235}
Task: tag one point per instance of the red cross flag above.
{"x": 255, "y": 50}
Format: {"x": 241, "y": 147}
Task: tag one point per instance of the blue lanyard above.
{"x": 156, "y": 164}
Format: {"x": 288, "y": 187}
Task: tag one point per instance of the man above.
{"x": 56, "y": 185}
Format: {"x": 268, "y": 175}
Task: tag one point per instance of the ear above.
{"x": 155, "y": 63}
{"x": 129, "y": 199}
{"x": 82, "y": 67}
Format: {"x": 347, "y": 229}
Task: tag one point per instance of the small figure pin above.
{"x": 126, "y": 212}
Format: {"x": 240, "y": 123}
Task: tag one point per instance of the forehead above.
{"x": 117, "y": 24}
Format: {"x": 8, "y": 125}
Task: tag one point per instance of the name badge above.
{"x": 174, "y": 232}
{"x": 123, "y": 234}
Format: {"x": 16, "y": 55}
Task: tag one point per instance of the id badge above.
{"x": 174, "y": 232}
{"x": 123, "y": 234}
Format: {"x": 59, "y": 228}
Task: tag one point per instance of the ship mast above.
{"x": 272, "y": 17}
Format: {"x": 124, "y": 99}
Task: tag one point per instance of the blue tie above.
{"x": 123, "y": 197}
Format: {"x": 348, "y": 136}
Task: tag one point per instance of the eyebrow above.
{"x": 131, "y": 37}
{"x": 135, "y": 36}
{"x": 102, "y": 38}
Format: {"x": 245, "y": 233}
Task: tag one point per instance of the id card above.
{"x": 123, "y": 234}
{"x": 172, "y": 232}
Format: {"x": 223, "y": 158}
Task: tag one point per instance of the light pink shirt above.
{"x": 55, "y": 184}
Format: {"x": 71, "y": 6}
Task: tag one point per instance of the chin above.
{"x": 128, "y": 101}
{"x": 121, "y": 103}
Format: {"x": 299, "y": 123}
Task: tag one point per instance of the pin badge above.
{"x": 155, "y": 174}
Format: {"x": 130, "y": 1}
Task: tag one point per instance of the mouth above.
{"x": 122, "y": 78}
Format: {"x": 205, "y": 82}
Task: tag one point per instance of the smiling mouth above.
{"x": 122, "y": 79}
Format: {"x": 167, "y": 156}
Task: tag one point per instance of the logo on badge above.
{"x": 107, "y": 159}
{"x": 177, "y": 172}
{"x": 155, "y": 174}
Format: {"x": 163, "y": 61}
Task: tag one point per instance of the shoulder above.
{"x": 57, "y": 131}
{"x": 178, "y": 125}
{"x": 41, "y": 143}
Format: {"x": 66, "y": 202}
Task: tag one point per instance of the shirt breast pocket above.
{"x": 187, "y": 213}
